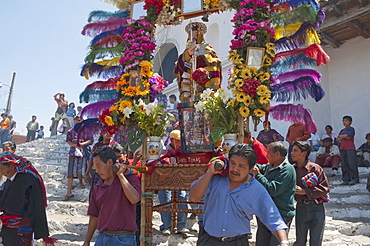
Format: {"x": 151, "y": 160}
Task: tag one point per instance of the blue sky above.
{"x": 41, "y": 41}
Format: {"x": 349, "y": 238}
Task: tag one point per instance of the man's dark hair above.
{"x": 327, "y": 140}
{"x": 11, "y": 145}
{"x": 173, "y": 96}
{"x": 6, "y": 115}
{"x": 279, "y": 147}
{"x": 245, "y": 151}
{"x": 303, "y": 146}
{"x": 118, "y": 148}
{"x": 329, "y": 126}
{"x": 347, "y": 117}
{"x": 105, "y": 153}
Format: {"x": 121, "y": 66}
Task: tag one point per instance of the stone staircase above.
{"x": 347, "y": 222}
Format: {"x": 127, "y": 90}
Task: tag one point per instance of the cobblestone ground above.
{"x": 347, "y": 221}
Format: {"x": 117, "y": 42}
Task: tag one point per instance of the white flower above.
{"x": 127, "y": 111}
{"x": 149, "y": 108}
{"x": 225, "y": 95}
{"x": 158, "y": 120}
{"x": 141, "y": 103}
{"x": 206, "y": 94}
{"x": 199, "y": 106}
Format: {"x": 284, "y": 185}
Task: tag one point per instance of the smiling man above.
{"x": 232, "y": 200}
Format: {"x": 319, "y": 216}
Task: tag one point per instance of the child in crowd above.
{"x": 71, "y": 113}
{"x": 348, "y": 156}
{"x": 40, "y": 132}
{"x": 364, "y": 151}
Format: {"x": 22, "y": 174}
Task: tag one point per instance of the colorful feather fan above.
{"x": 297, "y": 3}
{"x": 94, "y": 109}
{"x": 97, "y": 53}
{"x": 314, "y": 51}
{"x": 291, "y": 112}
{"x": 297, "y": 90}
{"x": 306, "y": 35}
{"x": 295, "y": 75}
{"x": 90, "y": 95}
{"x": 110, "y": 41}
{"x": 101, "y": 71}
{"x": 109, "y": 84}
{"x": 93, "y": 29}
{"x": 98, "y": 38}
{"x": 100, "y": 15}
{"x": 301, "y": 14}
{"x": 88, "y": 128}
{"x": 292, "y": 63}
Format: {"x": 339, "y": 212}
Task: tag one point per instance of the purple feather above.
{"x": 94, "y": 109}
{"x": 88, "y": 128}
{"x": 101, "y": 71}
{"x": 93, "y": 29}
{"x": 320, "y": 19}
{"x": 291, "y": 112}
{"x": 296, "y": 90}
{"x": 294, "y": 75}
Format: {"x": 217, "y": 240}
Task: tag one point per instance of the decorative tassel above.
{"x": 97, "y": 53}
{"x": 306, "y": 35}
{"x": 292, "y": 63}
{"x": 100, "y": 71}
{"x": 103, "y": 35}
{"x": 314, "y": 51}
{"x": 109, "y": 84}
{"x": 297, "y": 3}
{"x": 49, "y": 241}
{"x": 94, "y": 109}
{"x": 294, "y": 75}
{"x": 291, "y": 112}
{"x": 296, "y": 90}
{"x": 301, "y": 14}
{"x": 100, "y": 15}
{"x": 93, "y": 29}
{"x": 88, "y": 128}
{"x": 89, "y": 95}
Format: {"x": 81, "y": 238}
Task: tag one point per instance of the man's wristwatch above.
{"x": 285, "y": 242}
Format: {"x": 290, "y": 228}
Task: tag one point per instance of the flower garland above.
{"x": 163, "y": 12}
{"x": 252, "y": 29}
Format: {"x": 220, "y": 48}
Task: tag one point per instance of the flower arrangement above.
{"x": 137, "y": 42}
{"x": 210, "y": 4}
{"x": 163, "y": 12}
{"x": 220, "y": 109}
{"x": 251, "y": 85}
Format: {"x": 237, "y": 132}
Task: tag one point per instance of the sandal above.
{"x": 66, "y": 198}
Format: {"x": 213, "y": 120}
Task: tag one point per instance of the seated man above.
{"x": 231, "y": 200}
{"x": 113, "y": 190}
{"x": 364, "y": 151}
{"x": 329, "y": 156}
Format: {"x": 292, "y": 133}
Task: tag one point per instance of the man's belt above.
{"x": 117, "y": 233}
{"x": 11, "y": 221}
{"x": 228, "y": 239}
{"x": 308, "y": 202}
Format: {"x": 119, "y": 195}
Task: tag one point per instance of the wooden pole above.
{"x": 240, "y": 128}
{"x": 143, "y": 198}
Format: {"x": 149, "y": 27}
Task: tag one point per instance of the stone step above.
{"x": 76, "y": 206}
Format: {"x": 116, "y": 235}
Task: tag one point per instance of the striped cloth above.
{"x": 311, "y": 180}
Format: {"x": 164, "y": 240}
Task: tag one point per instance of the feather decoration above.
{"x": 94, "y": 109}
{"x": 296, "y": 90}
{"x": 306, "y": 35}
{"x": 110, "y": 41}
{"x": 297, "y": 3}
{"x": 101, "y": 71}
{"x": 314, "y": 51}
{"x": 93, "y": 29}
{"x": 90, "y": 95}
{"x": 320, "y": 19}
{"x": 291, "y": 112}
{"x": 99, "y": 15}
{"x": 103, "y": 35}
{"x": 101, "y": 52}
{"x": 295, "y": 75}
{"x": 301, "y": 14}
{"x": 292, "y": 63}
{"x": 88, "y": 128}
{"x": 109, "y": 84}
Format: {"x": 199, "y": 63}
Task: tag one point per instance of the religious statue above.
{"x": 198, "y": 67}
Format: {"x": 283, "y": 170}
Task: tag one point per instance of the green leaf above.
{"x": 217, "y": 133}
{"x": 135, "y": 139}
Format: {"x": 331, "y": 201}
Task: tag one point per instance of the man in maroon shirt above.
{"x": 312, "y": 190}
{"x": 296, "y": 132}
{"x": 112, "y": 206}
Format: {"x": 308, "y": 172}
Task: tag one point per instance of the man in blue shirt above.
{"x": 231, "y": 201}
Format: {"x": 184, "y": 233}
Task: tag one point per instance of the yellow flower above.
{"x": 233, "y": 55}
{"x": 262, "y": 90}
{"x": 264, "y": 77}
{"x": 239, "y": 83}
{"x": 231, "y": 102}
{"x": 129, "y": 91}
{"x": 270, "y": 46}
{"x": 113, "y": 108}
{"x": 246, "y": 74}
{"x": 267, "y": 61}
{"x": 147, "y": 64}
{"x": 240, "y": 97}
{"x": 123, "y": 120}
{"x": 142, "y": 93}
{"x": 244, "y": 111}
{"x": 153, "y": 152}
{"x": 109, "y": 120}
{"x": 123, "y": 104}
{"x": 247, "y": 100}
{"x": 147, "y": 72}
{"x": 264, "y": 99}
{"x": 122, "y": 81}
{"x": 125, "y": 75}
{"x": 259, "y": 112}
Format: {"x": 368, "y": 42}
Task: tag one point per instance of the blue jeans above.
{"x": 105, "y": 240}
{"x": 4, "y": 137}
{"x": 166, "y": 196}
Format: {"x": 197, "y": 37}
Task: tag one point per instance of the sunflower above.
{"x": 259, "y": 112}
{"x": 231, "y": 103}
{"x": 233, "y": 55}
{"x": 244, "y": 111}
{"x": 147, "y": 64}
{"x": 146, "y": 72}
{"x": 113, "y": 108}
{"x": 142, "y": 93}
{"x": 123, "y": 120}
{"x": 122, "y": 81}
{"x": 240, "y": 97}
{"x": 109, "y": 121}
{"x": 153, "y": 152}
{"x": 246, "y": 74}
{"x": 264, "y": 77}
{"x": 264, "y": 99}
{"x": 129, "y": 91}
{"x": 123, "y": 104}
{"x": 262, "y": 90}
{"x": 247, "y": 100}
{"x": 239, "y": 83}
{"x": 267, "y": 61}
{"x": 270, "y": 46}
